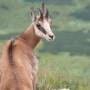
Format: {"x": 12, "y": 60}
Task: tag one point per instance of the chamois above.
{"x": 18, "y": 64}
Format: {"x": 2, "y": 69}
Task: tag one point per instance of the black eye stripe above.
{"x": 43, "y": 30}
{"x": 38, "y": 25}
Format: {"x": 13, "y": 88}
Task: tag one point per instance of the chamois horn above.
{"x": 43, "y": 8}
{"x": 47, "y": 13}
{"x": 41, "y": 14}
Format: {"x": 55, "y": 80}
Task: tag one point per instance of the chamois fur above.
{"x": 18, "y": 68}
{"x": 18, "y": 64}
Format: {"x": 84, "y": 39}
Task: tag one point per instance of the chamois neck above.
{"x": 29, "y": 37}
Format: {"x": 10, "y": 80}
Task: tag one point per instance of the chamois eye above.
{"x": 38, "y": 25}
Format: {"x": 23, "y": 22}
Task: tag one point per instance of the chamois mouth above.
{"x": 49, "y": 37}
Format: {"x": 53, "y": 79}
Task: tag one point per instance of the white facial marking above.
{"x": 46, "y": 26}
{"x": 49, "y": 36}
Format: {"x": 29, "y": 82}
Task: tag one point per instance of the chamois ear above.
{"x": 32, "y": 15}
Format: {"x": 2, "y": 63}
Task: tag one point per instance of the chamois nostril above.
{"x": 51, "y": 36}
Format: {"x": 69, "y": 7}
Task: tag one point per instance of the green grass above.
{"x": 63, "y": 71}
{"x": 64, "y": 63}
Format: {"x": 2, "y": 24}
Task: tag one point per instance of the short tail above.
{"x": 10, "y": 50}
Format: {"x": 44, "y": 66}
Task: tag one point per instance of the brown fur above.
{"x": 18, "y": 64}
{"x": 21, "y": 74}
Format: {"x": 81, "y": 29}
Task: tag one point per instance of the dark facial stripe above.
{"x": 42, "y": 30}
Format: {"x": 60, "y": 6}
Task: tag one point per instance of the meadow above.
{"x": 65, "y": 62}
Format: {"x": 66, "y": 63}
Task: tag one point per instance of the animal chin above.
{"x": 48, "y": 38}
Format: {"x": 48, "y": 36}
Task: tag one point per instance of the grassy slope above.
{"x": 66, "y": 61}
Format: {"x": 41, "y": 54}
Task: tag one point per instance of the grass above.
{"x": 64, "y": 71}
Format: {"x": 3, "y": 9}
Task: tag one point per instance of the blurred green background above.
{"x": 65, "y": 62}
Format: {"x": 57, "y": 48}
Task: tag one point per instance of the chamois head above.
{"x": 42, "y": 23}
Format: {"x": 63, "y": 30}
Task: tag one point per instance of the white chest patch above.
{"x": 35, "y": 61}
